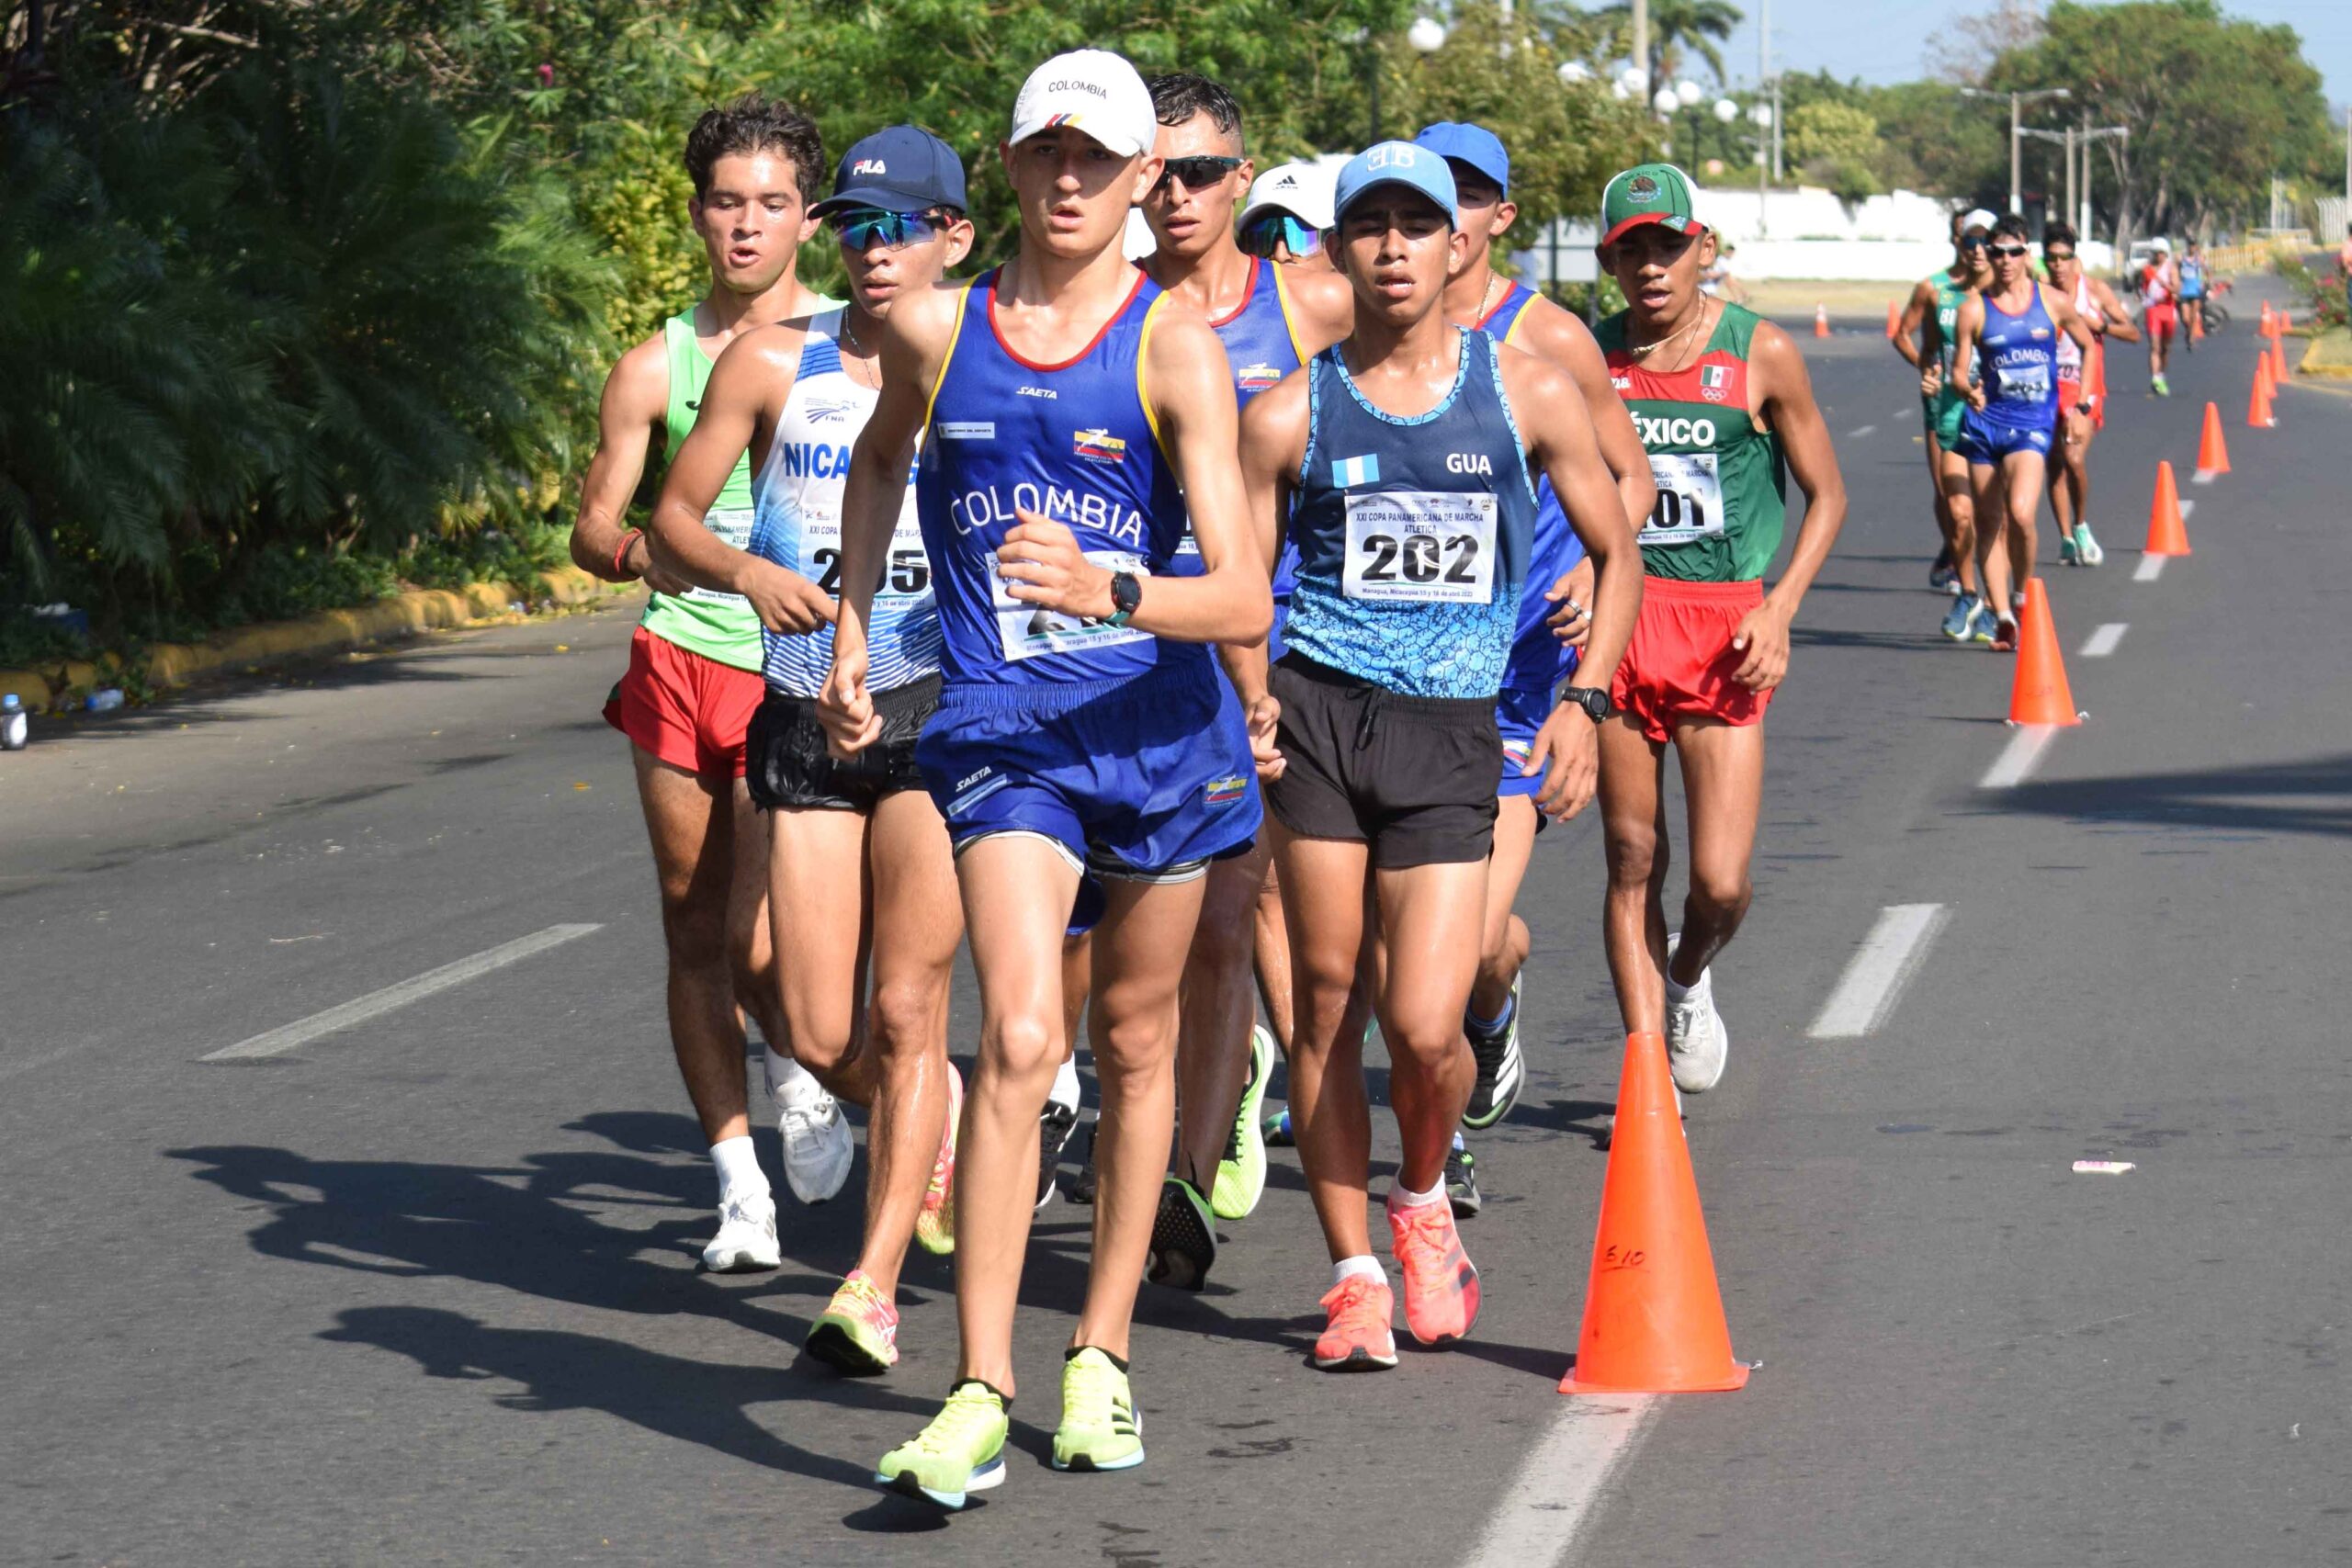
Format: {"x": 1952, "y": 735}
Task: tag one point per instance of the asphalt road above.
{"x": 423, "y": 1289}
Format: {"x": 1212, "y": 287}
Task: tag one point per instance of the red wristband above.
{"x": 627, "y": 538}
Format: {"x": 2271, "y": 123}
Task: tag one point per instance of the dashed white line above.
{"x": 2018, "y": 757}
{"x": 1857, "y": 433}
{"x": 375, "y": 1004}
{"x": 2150, "y": 569}
{"x": 1888, "y": 958}
{"x": 2103, "y": 641}
{"x": 1559, "y": 1484}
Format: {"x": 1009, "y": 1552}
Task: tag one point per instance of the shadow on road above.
{"x": 2314, "y": 796}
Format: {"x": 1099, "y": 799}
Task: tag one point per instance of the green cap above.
{"x": 1647, "y": 193}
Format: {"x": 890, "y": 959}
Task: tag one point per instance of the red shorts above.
{"x": 2160, "y": 321}
{"x": 2070, "y": 395}
{"x": 1679, "y": 665}
{"x": 689, "y": 711}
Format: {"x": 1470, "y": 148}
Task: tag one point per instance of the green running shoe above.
{"x": 1241, "y": 1174}
{"x": 961, "y": 1453}
{"x": 1100, "y": 1430}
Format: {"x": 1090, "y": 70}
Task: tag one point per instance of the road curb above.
{"x": 403, "y": 614}
{"x": 2313, "y": 363}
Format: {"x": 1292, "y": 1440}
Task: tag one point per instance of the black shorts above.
{"x": 1413, "y": 777}
{"x": 787, "y": 767}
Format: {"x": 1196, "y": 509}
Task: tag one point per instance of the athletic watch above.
{"x": 1592, "y": 699}
{"x": 1126, "y": 598}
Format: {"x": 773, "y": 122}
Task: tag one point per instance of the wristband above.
{"x": 627, "y": 538}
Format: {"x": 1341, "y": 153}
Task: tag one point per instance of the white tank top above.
{"x": 796, "y": 522}
{"x": 2070, "y": 359}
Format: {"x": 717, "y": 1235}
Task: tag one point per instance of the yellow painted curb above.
{"x": 403, "y": 614}
{"x": 2313, "y": 364}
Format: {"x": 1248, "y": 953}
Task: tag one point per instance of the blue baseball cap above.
{"x": 1471, "y": 144}
{"x": 1396, "y": 163}
{"x": 902, "y": 168}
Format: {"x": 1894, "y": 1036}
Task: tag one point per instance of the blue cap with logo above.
{"x": 1396, "y": 163}
{"x": 902, "y": 168}
{"x": 1474, "y": 145}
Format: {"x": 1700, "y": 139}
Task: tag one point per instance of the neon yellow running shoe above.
{"x": 1100, "y": 1430}
{"x": 935, "y": 1227}
{"x": 961, "y": 1453}
{"x": 858, "y": 1332}
{"x": 1241, "y": 1174}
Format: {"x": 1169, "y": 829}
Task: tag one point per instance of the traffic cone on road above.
{"x": 1821, "y": 321}
{"x": 2197, "y": 328}
{"x": 2258, "y": 411}
{"x": 2212, "y": 456}
{"x": 2166, "y": 536}
{"x": 2263, "y": 328}
{"x": 2040, "y": 693}
{"x": 2278, "y": 350}
{"x": 1894, "y": 321}
{"x": 1652, "y": 1312}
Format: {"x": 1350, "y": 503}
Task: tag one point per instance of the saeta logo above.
{"x": 1676, "y": 431}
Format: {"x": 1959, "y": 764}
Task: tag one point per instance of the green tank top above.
{"x": 1948, "y": 296}
{"x": 721, "y": 627}
{"x": 1721, "y": 481}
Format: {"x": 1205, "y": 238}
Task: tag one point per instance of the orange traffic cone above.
{"x": 2040, "y": 694}
{"x": 2166, "y": 536}
{"x": 1894, "y": 321}
{"x": 2197, "y": 327}
{"x": 2213, "y": 456}
{"x": 2278, "y": 353}
{"x": 2264, "y": 328}
{"x": 2258, "y": 413}
{"x": 1652, "y": 1312}
{"x": 1821, "y": 321}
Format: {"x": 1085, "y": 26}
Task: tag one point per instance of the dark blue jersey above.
{"x": 2019, "y": 355}
{"x": 1538, "y": 661}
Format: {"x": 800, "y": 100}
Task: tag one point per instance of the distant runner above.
{"x": 2082, "y": 393}
{"x": 2159, "y": 287}
{"x": 1923, "y": 337}
{"x": 2192, "y": 291}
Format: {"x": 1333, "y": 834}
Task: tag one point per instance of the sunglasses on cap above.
{"x": 860, "y": 227}
{"x": 2012, "y": 252}
{"x": 1267, "y": 233}
{"x": 1196, "y": 172}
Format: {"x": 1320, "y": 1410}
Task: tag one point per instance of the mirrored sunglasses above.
{"x": 860, "y": 227}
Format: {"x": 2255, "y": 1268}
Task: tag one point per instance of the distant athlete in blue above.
{"x": 794, "y": 395}
{"x": 1068, "y": 413}
{"x": 1402, "y": 463}
{"x": 2005, "y": 363}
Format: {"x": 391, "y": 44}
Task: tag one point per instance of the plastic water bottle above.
{"x": 105, "y": 701}
{"x": 13, "y": 724}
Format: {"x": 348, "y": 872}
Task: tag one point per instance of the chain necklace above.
{"x": 858, "y": 354}
{"x": 1643, "y": 351}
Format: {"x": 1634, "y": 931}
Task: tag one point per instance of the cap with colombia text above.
{"x": 1091, "y": 90}
{"x": 1647, "y": 193}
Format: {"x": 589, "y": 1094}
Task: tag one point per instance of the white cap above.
{"x": 1982, "y": 218}
{"x": 1091, "y": 90}
{"x": 2160, "y": 243}
{"x": 1303, "y": 190}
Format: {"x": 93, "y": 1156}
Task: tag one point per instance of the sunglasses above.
{"x": 1196, "y": 172}
{"x": 860, "y": 227}
{"x": 1973, "y": 242}
{"x": 2050, "y": 255}
{"x": 2012, "y": 252}
{"x": 1267, "y": 233}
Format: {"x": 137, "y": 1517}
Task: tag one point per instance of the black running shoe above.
{"x": 1501, "y": 1072}
{"x": 1079, "y": 1187}
{"x": 1054, "y": 1124}
{"x": 1184, "y": 1237}
{"x": 1461, "y": 1179}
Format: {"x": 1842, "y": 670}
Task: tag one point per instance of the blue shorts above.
{"x": 1984, "y": 443}
{"x": 1135, "y": 776}
{"x": 1518, "y": 713}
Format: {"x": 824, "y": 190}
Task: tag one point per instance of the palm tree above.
{"x": 1677, "y": 25}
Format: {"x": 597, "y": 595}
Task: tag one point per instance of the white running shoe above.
{"x": 746, "y": 1237}
{"x": 818, "y": 1147}
{"x": 1696, "y": 1043}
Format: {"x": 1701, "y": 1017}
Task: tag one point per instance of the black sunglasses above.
{"x": 1196, "y": 173}
{"x": 2011, "y": 251}
{"x": 1973, "y": 242}
{"x": 2049, "y": 254}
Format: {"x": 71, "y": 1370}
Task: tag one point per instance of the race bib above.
{"x": 733, "y": 528}
{"x": 1690, "y": 499}
{"x": 1027, "y": 630}
{"x": 1420, "y": 547}
{"x": 2025, "y": 383}
{"x": 905, "y": 576}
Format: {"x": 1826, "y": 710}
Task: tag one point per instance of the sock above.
{"x": 1402, "y": 1197}
{"x": 1001, "y": 1397}
{"x": 1065, "y": 1089}
{"x": 1675, "y": 993}
{"x": 1493, "y": 1025}
{"x": 1118, "y": 1362}
{"x": 1362, "y": 1264}
{"x": 740, "y": 1175}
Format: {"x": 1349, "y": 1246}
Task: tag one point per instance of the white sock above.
{"x": 1065, "y": 1089}
{"x": 1363, "y": 1264}
{"x": 740, "y": 1175}
{"x": 1675, "y": 993}
{"x": 1402, "y": 1197}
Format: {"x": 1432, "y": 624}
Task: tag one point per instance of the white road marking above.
{"x": 376, "y": 1003}
{"x": 1857, "y": 435}
{"x": 2018, "y": 758}
{"x": 2188, "y": 510}
{"x": 2203, "y": 477}
{"x": 1558, "y": 1488}
{"x": 2103, "y": 641}
{"x": 1886, "y": 959}
{"x": 2150, "y": 569}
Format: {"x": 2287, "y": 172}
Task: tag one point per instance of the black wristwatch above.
{"x": 1592, "y": 699}
{"x": 1126, "y": 598}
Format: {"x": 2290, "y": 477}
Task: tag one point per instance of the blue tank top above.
{"x": 796, "y": 522}
{"x": 1260, "y": 347}
{"x": 1073, "y": 441}
{"x": 1538, "y": 662}
{"x": 1413, "y": 535}
{"x": 2021, "y": 354}
{"x": 2192, "y": 281}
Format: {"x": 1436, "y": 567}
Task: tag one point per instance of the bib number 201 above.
{"x": 1690, "y": 499}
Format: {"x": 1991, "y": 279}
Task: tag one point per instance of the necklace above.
{"x": 1643, "y": 351}
{"x": 858, "y": 354}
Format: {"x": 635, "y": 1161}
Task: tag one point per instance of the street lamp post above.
{"x": 2017, "y": 100}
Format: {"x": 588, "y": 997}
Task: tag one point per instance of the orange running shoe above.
{"x": 935, "y": 1227}
{"x": 1441, "y": 1285}
{"x": 1357, "y": 1339}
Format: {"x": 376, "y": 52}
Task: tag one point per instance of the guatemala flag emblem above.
{"x": 1346, "y": 471}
